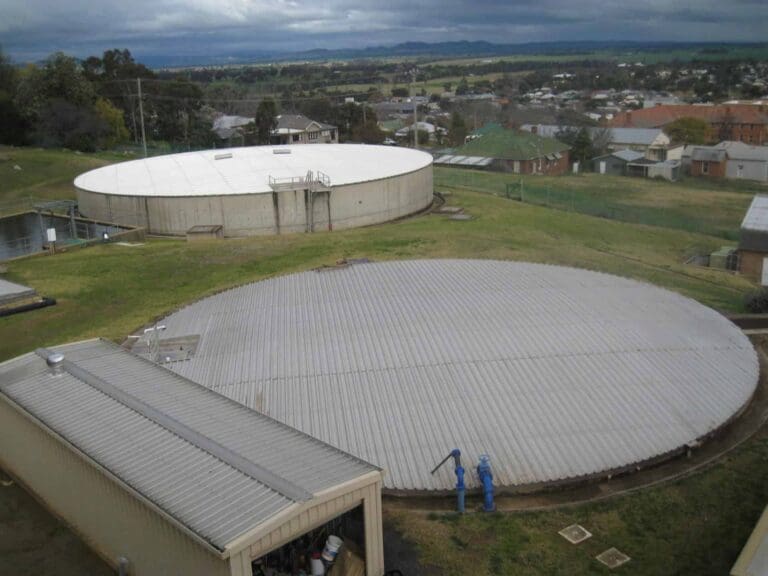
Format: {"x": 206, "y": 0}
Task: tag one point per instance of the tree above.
{"x": 400, "y": 92}
{"x": 581, "y": 147}
{"x": 266, "y": 120}
{"x": 726, "y": 126}
{"x": 367, "y": 130}
{"x": 172, "y": 112}
{"x": 114, "y": 122}
{"x": 59, "y": 78}
{"x": 114, "y": 76}
{"x": 689, "y": 130}
{"x": 463, "y": 87}
{"x": 458, "y": 129}
{"x": 13, "y": 127}
{"x": 68, "y": 125}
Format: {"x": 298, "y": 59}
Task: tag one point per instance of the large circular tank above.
{"x": 261, "y": 189}
{"x": 558, "y": 374}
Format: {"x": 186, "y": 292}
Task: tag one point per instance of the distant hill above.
{"x": 440, "y": 49}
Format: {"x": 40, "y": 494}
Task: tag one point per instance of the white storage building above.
{"x": 152, "y": 468}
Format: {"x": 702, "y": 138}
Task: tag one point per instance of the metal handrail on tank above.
{"x": 313, "y": 181}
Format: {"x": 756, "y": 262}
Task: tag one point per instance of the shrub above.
{"x": 757, "y": 301}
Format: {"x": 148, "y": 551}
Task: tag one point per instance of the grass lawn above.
{"x": 695, "y": 526}
{"x": 46, "y": 174}
{"x": 709, "y": 207}
{"x": 111, "y": 290}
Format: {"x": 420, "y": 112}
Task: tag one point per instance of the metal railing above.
{"x": 313, "y": 181}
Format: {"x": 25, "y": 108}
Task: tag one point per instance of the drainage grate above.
{"x": 575, "y": 533}
{"x": 612, "y": 558}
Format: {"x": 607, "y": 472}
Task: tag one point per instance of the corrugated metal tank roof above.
{"x": 555, "y": 372}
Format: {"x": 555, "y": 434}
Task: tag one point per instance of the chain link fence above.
{"x": 592, "y": 203}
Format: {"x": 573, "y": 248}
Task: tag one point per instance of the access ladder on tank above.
{"x": 312, "y": 184}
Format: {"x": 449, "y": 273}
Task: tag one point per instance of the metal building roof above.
{"x": 217, "y": 467}
{"x": 10, "y": 291}
{"x": 756, "y": 217}
{"x": 555, "y": 372}
{"x": 626, "y": 155}
{"x": 708, "y": 154}
{"x": 452, "y": 160}
{"x": 627, "y": 136}
{"x": 247, "y": 170}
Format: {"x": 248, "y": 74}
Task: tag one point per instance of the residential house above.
{"x": 740, "y": 122}
{"x": 727, "y": 160}
{"x": 427, "y": 127}
{"x": 747, "y": 162}
{"x": 652, "y": 142}
{"x": 512, "y": 151}
{"x": 298, "y": 129}
{"x": 231, "y": 128}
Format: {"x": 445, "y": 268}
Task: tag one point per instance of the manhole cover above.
{"x": 575, "y": 533}
{"x": 449, "y": 210}
{"x": 612, "y": 558}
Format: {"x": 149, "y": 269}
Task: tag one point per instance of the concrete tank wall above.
{"x": 352, "y": 205}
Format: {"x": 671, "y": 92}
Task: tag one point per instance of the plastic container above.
{"x": 316, "y": 566}
{"x": 332, "y": 546}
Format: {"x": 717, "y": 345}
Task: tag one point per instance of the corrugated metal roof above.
{"x": 452, "y": 160}
{"x": 708, "y": 154}
{"x": 554, "y": 372}
{"x": 627, "y": 136}
{"x": 198, "y": 482}
{"x": 627, "y": 155}
{"x": 10, "y": 291}
{"x": 756, "y": 217}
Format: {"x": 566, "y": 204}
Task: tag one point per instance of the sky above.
{"x": 32, "y": 29}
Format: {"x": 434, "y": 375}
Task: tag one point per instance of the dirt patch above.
{"x": 32, "y": 542}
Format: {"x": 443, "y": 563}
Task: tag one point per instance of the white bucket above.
{"x": 316, "y": 566}
{"x": 332, "y": 546}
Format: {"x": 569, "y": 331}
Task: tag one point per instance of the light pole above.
{"x": 415, "y": 109}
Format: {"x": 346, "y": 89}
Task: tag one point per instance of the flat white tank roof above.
{"x": 555, "y": 372}
{"x": 247, "y": 170}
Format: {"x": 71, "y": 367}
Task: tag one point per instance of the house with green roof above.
{"x": 512, "y": 151}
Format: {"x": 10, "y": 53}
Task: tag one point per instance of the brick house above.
{"x": 734, "y": 160}
{"x": 517, "y": 151}
{"x": 708, "y": 161}
{"x": 746, "y": 123}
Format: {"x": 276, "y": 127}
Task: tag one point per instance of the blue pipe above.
{"x": 486, "y": 478}
{"x": 460, "y": 488}
{"x": 459, "y": 470}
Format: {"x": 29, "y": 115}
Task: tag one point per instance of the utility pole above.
{"x": 141, "y": 116}
{"x": 415, "y": 110}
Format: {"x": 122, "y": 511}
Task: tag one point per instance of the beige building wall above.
{"x": 116, "y": 523}
{"x": 351, "y": 206}
{"x": 109, "y": 519}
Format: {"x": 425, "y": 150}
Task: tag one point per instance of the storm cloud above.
{"x": 31, "y": 29}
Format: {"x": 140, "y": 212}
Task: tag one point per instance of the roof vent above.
{"x": 222, "y": 156}
{"x": 54, "y": 361}
{"x": 281, "y": 150}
